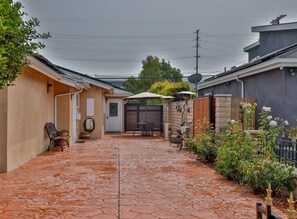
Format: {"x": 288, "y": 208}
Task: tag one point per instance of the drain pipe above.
{"x": 59, "y": 95}
{"x": 242, "y": 86}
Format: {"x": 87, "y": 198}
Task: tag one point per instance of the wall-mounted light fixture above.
{"x": 292, "y": 72}
{"x": 49, "y": 85}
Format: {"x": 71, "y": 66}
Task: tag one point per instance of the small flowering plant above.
{"x": 292, "y": 131}
{"x": 205, "y": 143}
{"x": 248, "y": 115}
{"x": 271, "y": 129}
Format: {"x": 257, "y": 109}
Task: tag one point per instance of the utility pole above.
{"x": 197, "y": 56}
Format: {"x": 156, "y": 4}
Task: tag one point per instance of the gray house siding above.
{"x": 290, "y": 97}
{"x": 254, "y": 52}
{"x": 272, "y": 88}
{"x": 275, "y": 40}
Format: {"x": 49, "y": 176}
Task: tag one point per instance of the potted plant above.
{"x": 292, "y": 131}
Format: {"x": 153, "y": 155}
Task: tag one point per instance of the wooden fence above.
{"x": 203, "y": 108}
{"x": 237, "y": 112}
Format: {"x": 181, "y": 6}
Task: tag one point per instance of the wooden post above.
{"x": 291, "y": 210}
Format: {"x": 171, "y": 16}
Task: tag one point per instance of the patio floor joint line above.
{"x": 119, "y": 181}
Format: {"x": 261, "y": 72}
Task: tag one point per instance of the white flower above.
{"x": 266, "y": 109}
{"x": 232, "y": 121}
{"x": 286, "y": 122}
{"x": 255, "y": 104}
{"x": 273, "y": 123}
{"x": 269, "y": 117}
{"x": 277, "y": 118}
{"x": 246, "y": 105}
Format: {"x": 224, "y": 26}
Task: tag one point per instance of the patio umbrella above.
{"x": 167, "y": 97}
{"x": 145, "y": 96}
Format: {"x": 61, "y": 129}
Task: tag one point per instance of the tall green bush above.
{"x": 238, "y": 157}
{"x": 236, "y": 147}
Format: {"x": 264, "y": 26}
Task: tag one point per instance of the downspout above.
{"x": 59, "y": 95}
{"x": 242, "y": 86}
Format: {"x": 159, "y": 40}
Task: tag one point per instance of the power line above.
{"x": 118, "y": 51}
{"x": 154, "y": 20}
{"x": 225, "y": 35}
{"x": 118, "y": 44}
{"x": 132, "y": 37}
{"x": 117, "y": 60}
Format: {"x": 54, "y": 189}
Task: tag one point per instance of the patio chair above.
{"x": 56, "y": 137}
{"x": 176, "y": 137}
{"x": 136, "y": 128}
{"x": 149, "y": 128}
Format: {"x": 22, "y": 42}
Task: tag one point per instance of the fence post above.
{"x": 259, "y": 214}
{"x": 268, "y": 201}
{"x": 291, "y": 210}
{"x": 223, "y": 110}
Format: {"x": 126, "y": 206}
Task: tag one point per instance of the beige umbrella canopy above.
{"x": 145, "y": 96}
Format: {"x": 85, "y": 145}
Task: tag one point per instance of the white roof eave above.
{"x": 39, "y": 66}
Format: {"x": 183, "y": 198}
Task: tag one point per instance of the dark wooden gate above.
{"x": 139, "y": 113}
{"x": 203, "y": 107}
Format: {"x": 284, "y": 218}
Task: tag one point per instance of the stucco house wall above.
{"x": 274, "y": 40}
{"x": 96, "y": 93}
{"x": 30, "y": 106}
{"x": 25, "y": 108}
{"x": 64, "y": 108}
{"x": 3, "y": 129}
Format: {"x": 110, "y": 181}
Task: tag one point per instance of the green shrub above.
{"x": 259, "y": 173}
{"x": 205, "y": 142}
{"x": 235, "y": 148}
{"x": 237, "y": 158}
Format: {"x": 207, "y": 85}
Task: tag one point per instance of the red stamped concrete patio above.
{"x": 121, "y": 177}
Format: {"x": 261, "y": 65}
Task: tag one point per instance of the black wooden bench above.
{"x": 56, "y": 137}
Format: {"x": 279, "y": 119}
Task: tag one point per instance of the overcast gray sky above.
{"x": 112, "y": 37}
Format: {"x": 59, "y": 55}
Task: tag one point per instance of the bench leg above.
{"x": 50, "y": 145}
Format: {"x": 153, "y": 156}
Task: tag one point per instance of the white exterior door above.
{"x": 114, "y": 115}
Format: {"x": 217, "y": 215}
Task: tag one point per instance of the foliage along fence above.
{"x": 219, "y": 110}
{"x": 237, "y": 111}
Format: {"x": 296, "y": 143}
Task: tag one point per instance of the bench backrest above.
{"x": 51, "y": 130}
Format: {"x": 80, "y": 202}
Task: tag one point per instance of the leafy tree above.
{"x": 150, "y": 73}
{"x": 169, "y": 88}
{"x": 17, "y": 39}
{"x": 153, "y": 70}
{"x": 169, "y": 73}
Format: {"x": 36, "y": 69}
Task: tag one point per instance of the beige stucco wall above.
{"x": 97, "y": 94}
{"x": 64, "y": 108}
{"x": 30, "y": 107}
{"x": 3, "y": 130}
